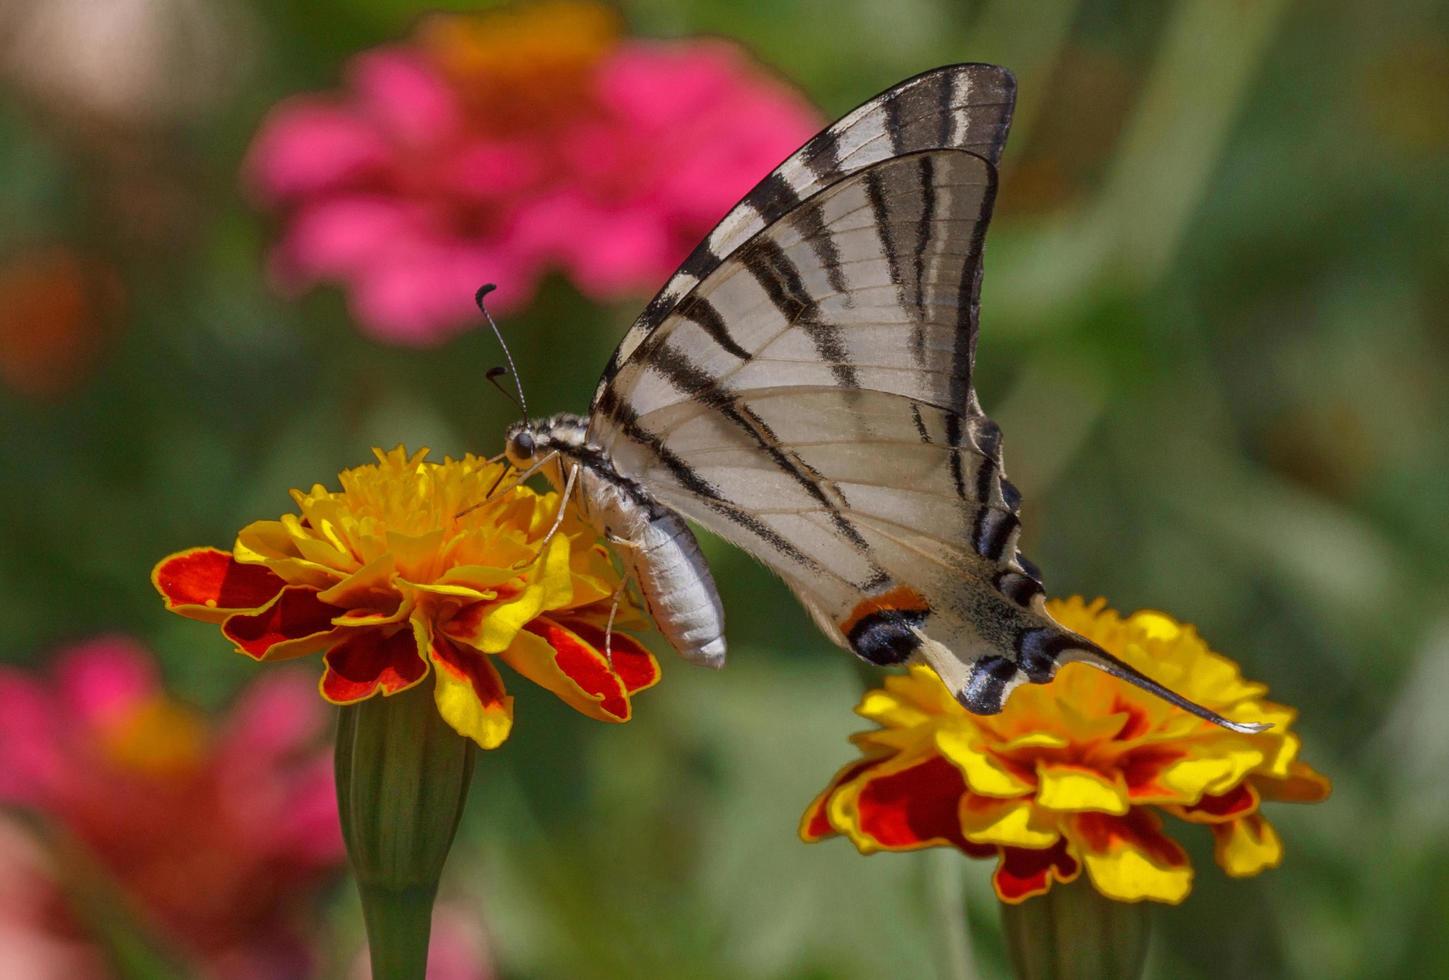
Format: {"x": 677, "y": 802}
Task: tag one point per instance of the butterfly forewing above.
{"x": 962, "y": 106}
{"x": 803, "y": 388}
{"x": 811, "y": 401}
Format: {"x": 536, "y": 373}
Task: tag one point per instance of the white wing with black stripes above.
{"x": 803, "y": 388}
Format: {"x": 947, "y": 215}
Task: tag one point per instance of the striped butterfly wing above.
{"x": 810, "y": 400}
{"x": 965, "y": 106}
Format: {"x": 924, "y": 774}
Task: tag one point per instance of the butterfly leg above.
{"x": 504, "y": 475}
{"x": 563, "y": 505}
{"x": 609, "y": 626}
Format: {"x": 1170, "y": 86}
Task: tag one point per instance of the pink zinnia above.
{"x": 499, "y": 147}
{"x": 221, "y": 838}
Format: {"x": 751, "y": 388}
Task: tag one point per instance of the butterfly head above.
{"x": 529, "y": 443}
{"x": 520, "y": 445}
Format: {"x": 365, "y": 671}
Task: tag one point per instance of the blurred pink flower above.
{"x": 500, "y": 146}
{"x": 38, "y": 938}
{"x": 220, "y": 836}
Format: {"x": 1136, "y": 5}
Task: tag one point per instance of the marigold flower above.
{"x": 221, "y": 836}
{"x": 1076, "y": 773}
{"x": 498, "y": 146}
{"x": 417, "y": 567}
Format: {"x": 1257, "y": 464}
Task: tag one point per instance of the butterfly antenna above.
{"x": 478, "y": 297}
{"x": 1090, "y": 653}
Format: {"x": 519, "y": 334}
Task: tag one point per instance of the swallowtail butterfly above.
{"x": 802, "y": 387}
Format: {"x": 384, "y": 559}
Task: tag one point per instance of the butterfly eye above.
{"x": 522, "y": 448}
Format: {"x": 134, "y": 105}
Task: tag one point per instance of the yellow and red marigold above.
{"x": 415, "y": 568}
{"x": 1077, "y": 773}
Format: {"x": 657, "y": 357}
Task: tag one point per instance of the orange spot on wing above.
{"x": 902, "y": 598}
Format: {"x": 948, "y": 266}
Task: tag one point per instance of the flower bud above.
{"x": 402, "y": 779}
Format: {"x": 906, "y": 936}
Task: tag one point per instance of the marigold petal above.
{"x": 1303, "y": 784}
{"x": 1196, "y": 775}
{"x": 1067, "y": 787}
{"x": 1009, "y": 823}
{"x": 635, "y": 666}
{"x": 209, "y": 585}
{"x": 480, "y": 578}
{"x": 274, "y": 544}
{"x": 986, "y": 772}
{"x": 470, "y": 694}
{"x": 1221, "y": 808}
{"x": 1023, "y": 873}
{"x": 557, "y": 659}
{"x": 815, "y": 824}
{"x": 367, "y": 661}
{"x": 370, "y": 587}
{"x": 549, "y": 588}
{"x": 902, "y": 808}
{"x": 1129, "y": 858}
{"x": 885, "y": 708}
{"x": 1142, "y": 768}
{"x": 295, "y": 623}
{"x": 415, "y": 554}
{"x": 1247, "y": 846}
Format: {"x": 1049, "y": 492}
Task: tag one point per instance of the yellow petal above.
{"x": 1011, "y": 823}
{"x": 1064, "y": 787}
{"x": 550, "y": 588}
{"x": 1247, "y": 846}
{"x": 1215, "y": 774}
{"x": 985, "y": 773}
{"x": 1129, "y": 876}
{"x": 470, "y": 696}
{"x": 884, "y": 708}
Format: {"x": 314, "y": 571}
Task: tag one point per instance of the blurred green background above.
{"x": 1214, "y": 333}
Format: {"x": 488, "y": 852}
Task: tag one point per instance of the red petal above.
{"x": 368, "y": 660}
{"x": 1139, "y": 829}
{"x": 1141, "y": 768}
{"x": 1024, "y": 872}
{"x": 816, "y": 822}
{"x": 915, "y": 806}
{"x": 295, "y": 614}
{"x": 633, "y": 664}
{"x": 1234, "y": 803}
{"x": 212, "y": 580}
{"x": 584, "y": 665}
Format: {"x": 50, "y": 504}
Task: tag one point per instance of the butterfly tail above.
{"x": 1093, "y": 655}
{"x": 982, "y": 685}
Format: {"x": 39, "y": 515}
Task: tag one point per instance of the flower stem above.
{"x": 402, "y": 779}
{"x": 399, "y": 922}
{"x": 1073, "y": 932}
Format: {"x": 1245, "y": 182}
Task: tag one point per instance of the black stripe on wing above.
{"x": 694, "y": 382}
{"x": 965, "y": 106}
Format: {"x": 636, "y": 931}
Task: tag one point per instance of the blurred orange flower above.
{"x": 417, "y": 567}
{"x": 55, "y": 311}
{"x": 1077, "y": 773}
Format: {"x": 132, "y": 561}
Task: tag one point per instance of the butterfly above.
{"x": 802, "y": 387}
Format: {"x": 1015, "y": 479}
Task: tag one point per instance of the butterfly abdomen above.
{"x": 663, "y": 558}
{"x": 678, "y": 589}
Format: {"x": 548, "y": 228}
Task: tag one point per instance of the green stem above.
{"x": 399, "y": 922}
{"x": 402, "y": 779}
{"x": 1073, "y": 932}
